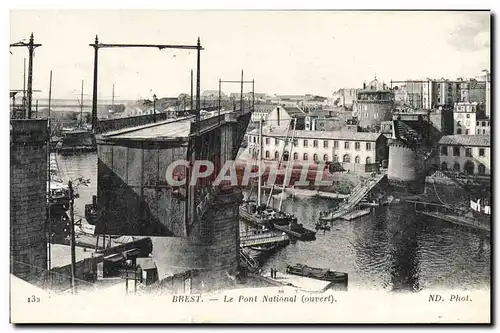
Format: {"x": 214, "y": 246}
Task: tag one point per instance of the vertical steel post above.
{"x": 49, "y": 224}
{"x": 198, "y": 51}
{"x": 241, "y": 94}
{"x": 24, "y": 89}
{"x": 253, "y": 95}
{"x": 31, "y": 49}
{"x": 220, "y": 84}
{"x": 191, "y": 109}
{"x": 94, "y": 91}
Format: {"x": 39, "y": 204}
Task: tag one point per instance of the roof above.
{"x": 375, "y": 85}
{"x": 322, "y": 135}
{"x": 466, "y": 140}
{"x": 208, "y": 93}
{"x": 145, "y": 263}
{"x": 294, "y": 111}
{"x": 319, "y": 114}
{"x": 289, "y": 97}
{"x": 264, "y": 107}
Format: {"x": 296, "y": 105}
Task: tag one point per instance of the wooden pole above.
{"x": 72, "y": 236}
{"x": 94, "y": 90}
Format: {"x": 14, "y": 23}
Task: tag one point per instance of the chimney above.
{"x": 364, "y": 85}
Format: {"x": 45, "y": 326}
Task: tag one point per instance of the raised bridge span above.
{"x": 198, "y": 224}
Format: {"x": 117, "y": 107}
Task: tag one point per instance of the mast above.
{"x": 113, "y": 99}
{"x": 288, "y": 165}
{"x": 81, "y": 106}
{"x": 279, "y": 163}
{"x": 259, "y": 188}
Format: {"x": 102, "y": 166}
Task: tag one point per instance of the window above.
{"x": 483, "y": 123}
{"x": 468, "y": 152}
{"x": 368, "y": 146}
{"x": 467, "y": 131}
{"x": 276, "y": 141}
{"x": 481, "y": 151}
{"x": 468, "y": 115}
{"x": 456, "y": 167}
{"x": 325, "y": 144}
{"x": 276, "y": 155}
{"x": 325, "y": 157}
{"x": 335, "y": 144}
{"x": 305, "y": 157}
{"x": 315, "y": 157}
{"x": 484, "y": 131}
{"x": 295, "y": 156}
{"x": 477, "y": 123}
{"x": 295, "y": 142}
{"x": 456, "y": 151}
{"x": 467, "y": 123}
{"x": 346, "y": 145}
{"x": 357, "y": 145}
{"x": 368, "y": 160}
{"x": 347, "y": 158}
{"x": 459, "y": 131}
{"x": 268, "y": 141}
{"x": 254, "y": 139}
{"x": 366, "y": 114}
{"x": 478, "y": 132}
{"x": 444, "y": 151}
{"x": 444, "y": 166}
{"x": 356, "y": 159}
{"x": 315, "y": 143}
{"x": 481, "y": 169}
{"x": 305, "y": 143}
{"x": 335, "y": 158}
{"x": 267, "y": 154}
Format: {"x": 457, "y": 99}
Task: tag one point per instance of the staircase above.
{"x": 247, "y": 261}
{"x": 358, "y": 193}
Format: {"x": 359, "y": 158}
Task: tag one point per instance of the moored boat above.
{"x": 318, "y": 273}
{"x": 297, "y": 231}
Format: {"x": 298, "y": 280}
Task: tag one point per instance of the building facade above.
{"x": 344, "y": 97}
{"x": 353, "y": 150}
{"x": 467, "y": 154}
{"x": 373, "y": 104}
{"x": 464, "y": 117}
{"x": 483, "y": 126}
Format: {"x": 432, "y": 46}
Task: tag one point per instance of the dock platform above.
{"x": 460, "y": 220}
{"x": 355, "y": 214}
{"x": 260, "y": 238}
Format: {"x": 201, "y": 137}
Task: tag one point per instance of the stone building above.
{"x": 468, "y": 154}
{"x": 353, "y": 150}
{"x": 373, "y": 104}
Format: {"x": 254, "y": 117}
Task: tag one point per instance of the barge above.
{"x": 318, "y": 274}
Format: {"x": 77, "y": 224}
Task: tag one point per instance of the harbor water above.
{"x": 391, "y": 249}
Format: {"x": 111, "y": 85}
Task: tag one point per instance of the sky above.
{"x": 285, "y": 52}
